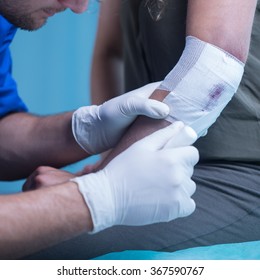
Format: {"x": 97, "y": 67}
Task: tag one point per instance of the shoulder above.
{"x": 7, "y": 30}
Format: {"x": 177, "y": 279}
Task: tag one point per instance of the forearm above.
{"x": 28, "y": 141}
{"x": 38, "y": 219}
{"x": 142, "y": 127}
{"x": 212, "y": 22}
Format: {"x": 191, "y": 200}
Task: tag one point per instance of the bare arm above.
{"x": 107, "y": 74}
{"x": 215, "y": 22}
{"x": 28, "y": 141}
{"x": 38, "y": 219}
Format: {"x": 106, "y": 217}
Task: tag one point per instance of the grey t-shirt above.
{"x": 152, "y": 48}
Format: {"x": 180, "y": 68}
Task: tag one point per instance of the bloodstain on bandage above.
{"x": 214, "y": 96}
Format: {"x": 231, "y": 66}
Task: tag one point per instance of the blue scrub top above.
{"x": 9, "y": 98}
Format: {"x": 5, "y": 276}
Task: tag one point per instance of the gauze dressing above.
{"x": 201, "y": 84}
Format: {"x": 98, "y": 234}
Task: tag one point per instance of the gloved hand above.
{"x": 147, "y": 183}
{"x": 99, "y": 128}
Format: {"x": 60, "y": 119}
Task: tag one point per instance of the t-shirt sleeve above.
{"x": 9, "y": 98}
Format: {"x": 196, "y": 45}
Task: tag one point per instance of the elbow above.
{"x": 236, "y": 48}
{"x": 239, "y": 51}
{"x": 229, "y": 42}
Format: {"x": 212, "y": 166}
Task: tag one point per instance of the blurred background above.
{"x": 52, "y": 69}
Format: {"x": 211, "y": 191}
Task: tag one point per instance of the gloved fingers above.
{"x": 185, "y": 157}
{"x": 180, "y": 203}
{"x": 189, "y": 169}
{"x": 187, "y": 136}
{"x": 188, "y": 209}
{"x": 190, "y": 187}
{"x": 158, "y": 139}
{"x": 136, "y": 105}
{"x": 145, "y": 91}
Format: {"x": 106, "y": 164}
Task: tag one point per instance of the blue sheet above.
{"x": 238, "y": 251}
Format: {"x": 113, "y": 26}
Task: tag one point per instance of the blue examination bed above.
{"x": 236, "y": 251}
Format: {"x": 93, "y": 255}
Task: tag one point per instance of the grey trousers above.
{"x": 228, "y": 210}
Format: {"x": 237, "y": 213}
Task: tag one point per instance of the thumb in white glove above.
{"x": 148, "y": 183}
{"x": 99, "y": 128}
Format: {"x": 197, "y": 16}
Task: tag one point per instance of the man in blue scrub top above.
{"x": 10, "y": 102}
{"x": 37, "y": 219}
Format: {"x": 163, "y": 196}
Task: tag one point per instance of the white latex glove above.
{"x": 147, "y": 183}
{"x": 99, "y": 128}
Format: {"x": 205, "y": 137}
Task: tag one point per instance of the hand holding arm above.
{"x": 132, "y": 190}
{"x": 99, "y": 128}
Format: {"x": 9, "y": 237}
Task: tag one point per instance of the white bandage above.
{"x": 201, "y": 84}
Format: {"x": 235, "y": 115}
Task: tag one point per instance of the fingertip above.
{"x": 189, "y": 209}
{"x": 157, "y": 109}
{"x": 191, "y": 133}
{"x": 166, "y": 109}
{"x": 190, "y": 188}
{"x": 192, "y": 206}
{"x": 195, "y": 155}
{"x": 183, "y": 135}
{"x": 163, "y": 112}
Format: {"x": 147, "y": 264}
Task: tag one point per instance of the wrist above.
{"x": 65, "y": 209}
{"x": 96, "y": 192}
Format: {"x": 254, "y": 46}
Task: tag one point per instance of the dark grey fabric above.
{"x": 228, "y": 210}
{"x": 150, "y": 49}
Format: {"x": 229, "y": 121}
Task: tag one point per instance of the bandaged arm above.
{"x": 199, "y": 102}
{"x": 209, "y": 71}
